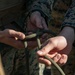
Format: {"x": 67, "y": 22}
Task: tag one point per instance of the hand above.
{"x": 34, "y": 22}
{"x": 12, "y": 38}
{"x": 58, "y": 47}
{"x": 55, "y": 48}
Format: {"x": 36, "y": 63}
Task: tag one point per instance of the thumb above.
{"x": 19, "y": 35}
{"x": 44, "y": 24}
{"x": 46, "y": 49}
{"x": 38, "y": 22}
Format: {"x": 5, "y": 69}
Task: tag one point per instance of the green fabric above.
{"x": 5, "y": 4}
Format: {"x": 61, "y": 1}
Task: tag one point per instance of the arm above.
{"x": 57, "y": 48}
{"x": 60, "y": 46}
{"x": 69, "y": 19}
{"x": 38, "y": 14}
{"x": 68, "y": 33}
{"x": 43, "y": 6}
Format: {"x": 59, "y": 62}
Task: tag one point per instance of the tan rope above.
{"x": 1, "y": 67}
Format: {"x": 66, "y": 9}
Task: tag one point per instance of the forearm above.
{"x": 68, "y": 33}
{"x": 69, "y": 19}
{"x": 68, "y": 26}
{"x": 43, "y": 6}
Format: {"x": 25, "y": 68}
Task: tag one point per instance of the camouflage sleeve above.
{"x": 69, "y": 19}
{"x": 43, "y": 6}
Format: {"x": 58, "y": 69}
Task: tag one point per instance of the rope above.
{"x": 27, "y": 59}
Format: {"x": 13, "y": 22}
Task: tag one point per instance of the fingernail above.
{"x": 39, "y": 52}
{"x": 23, "y": 36}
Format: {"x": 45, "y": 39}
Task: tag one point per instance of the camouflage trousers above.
{"x": 13, "y": 62}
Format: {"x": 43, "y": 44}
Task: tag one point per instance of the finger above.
{"x": 44, "y": 61}
{"x": 44, "y": 24}
{"x": 14, "y": 43}
{"x": 46, "y": 49}
{"x": 51, "y": 55}
{"x": 30, "y": 25}
{"x": 63, "y": 59}
{"x": 57, "y": 57}
{"x": 19, "y": 35}
{"x": 38, "y": 22}
{"x": 44, "y": 27}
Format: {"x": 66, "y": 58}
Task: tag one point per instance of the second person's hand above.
{"x": 34, "y": 22}
{"x": 12, "y": 38}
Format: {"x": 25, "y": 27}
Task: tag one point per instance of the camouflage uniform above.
{"x": 13, "y": 17}
{"x": 68, "y": 19}
{"x": 70, "y": 16}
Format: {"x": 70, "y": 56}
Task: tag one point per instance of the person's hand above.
{"x": 55, "y": 48}
{"x": 12, "y": 38}
{"x": 34, "y": 22}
